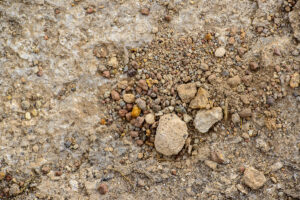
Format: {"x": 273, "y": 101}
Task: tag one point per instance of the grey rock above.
{"x": 254, "y": 178}
{"x": 141, "y": 104}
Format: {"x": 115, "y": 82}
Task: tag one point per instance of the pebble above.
{"x": 136, "y": 111}
{"x": 294, "y": 82}
{"x": 113, "y": 62}
{"x": 141, "y": 103}
{"x": 106, "y": 74}
{"x": 211, "y": 164}
{"x": 187, "y": 92}
{"x": 270, "y": 100}
{"x": 254, "y": 66}
{"x": 103, "y": 189}
{"x": 168, "y": 18}
{"x": 150, "y": 118}
{"x": 28, "y": 116}
{"x": 14, "y": 190}
{"x": 115, "y": 95}
{"x": 25, "y": 105}
{"x": 201, "y": 99}
{"x": 246, "y": 112}
{"x": 134, "y": 134}
{"x": 170, "y": 135}
{"x": 187, "y": 118}
{"x": 145, "y": 11}
{"x": 2, "y": 176}
{"x": 129, "y": 98}
{"x": 207, "y": 118}
{"x": 143, "y": 84}
{"x": 234, "y": 81}
{"x": 217, "y": 157}
{"x": 254, "y": 178}
{"x": 276, "y": 166}
{"x": 236, "y": 118}
{"x": 220, "y": 52}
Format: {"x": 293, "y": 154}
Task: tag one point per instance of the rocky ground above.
{"x": 153, "y": 99}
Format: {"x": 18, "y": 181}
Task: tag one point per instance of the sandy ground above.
{"x": 67, "y": 132}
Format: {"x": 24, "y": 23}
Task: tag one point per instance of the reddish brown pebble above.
{"x": 122, "y": 112}
{"x": 46, "y": 37}
{"x": 39, "y": 73}
{"x": 253, "y": 66}
{"x": 277, "y": 68}
{"x": 45, "y": 169}
{"x": 129, "y": 106}
{"x": 115, "y": 95}
{"x": 242, "y": 169}
{"x": 58, "y": 173}
{"x": 57, "y": 11}
{"x": 106, "y": 74}
{"x": 277, "y": 52}
{"x": 173, "y": 172}
{"x": 145, "y": 11}
{"x": 134, "y": 134}
{"x": 103, "y": 189}
{"x": 168, "y": 18}
{"x": 260, "y": 29}
{"x": 231, "y": 40}
{"x": 139, "y": 142}
{"x": 90, "y": 10}
{"x": 128, "y": 116}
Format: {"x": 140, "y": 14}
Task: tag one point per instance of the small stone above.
{"x": 254, "y": 178}
{"x": 139, "y": 142}
{"x": 254, "y": 66}
{"x": 140, "y": 155}
{"x": 187, "y": 118}
{"x": 28, "y": 116}
{"x": 168, "y": 18}
{"x": 145, "y": 11}
{"x": 141, "y": 104}
{"x": 246, "y": 112}
{"x": 14, "y": 190}
{"x": 276, "y": 166}
{"x": 123, "y": 112}
{"x": 141, "y": 183}
{"x": 270, "y": 100}
{"x": 106, "y": 74}
{"x": 211, "y": 164}
{"x": 103, "y": 189}
{"x": 129, "y": 98}
{"x": 115, "y": 95}
{"x": 113, "y": 62}
{"x": 143, "y": 84}
{"x": 35, "y": 148}
{"x": 139, "y": 122}
{"x": 34, "y": 112}
{"x": 90, "y": 10}
{"x": 207, "y": 118}
{"x": 187, "y": 92}
{"x": 217, "y": 157}
{"x": 134, "y": 134}
{"x": 236, "y": 118}
{"x": 136, "y": 111}
{"x": 100, "y": 52}
{"x": 170, "y": 135}
{"x": 25, "y": 105}
{"x": 234, "y": 81}
{"x": 173, "y": 172}
{"x": 295, "y": 52}
{"x": 201, "y": 99}
{"x": 294, "y": 82}
{"x": 204, "y": 67}
{"x": 245, "y": 99}
{"x": 45, "y": 169}
{"x": 220, "y": 52}
{"x": 150, "y": 118}
{"x": 231, "y": 40}
{"x": 2, "y": 176}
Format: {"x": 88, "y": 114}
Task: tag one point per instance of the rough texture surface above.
{"x": 206, "y": 118}
{"x": 170, "y": 135}
{"x": 65, "y": 127}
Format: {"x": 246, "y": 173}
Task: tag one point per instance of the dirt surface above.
{"x": 84, "y": 84}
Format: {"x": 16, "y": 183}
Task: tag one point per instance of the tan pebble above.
{"x": 28, "y": 116}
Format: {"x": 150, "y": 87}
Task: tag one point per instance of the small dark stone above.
{"x": 270, "y": 100}
{"x": 103, "y": 189}
{"x": 132, "y": 72}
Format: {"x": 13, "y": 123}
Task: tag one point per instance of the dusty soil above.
{"x": 67, "y": 131}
